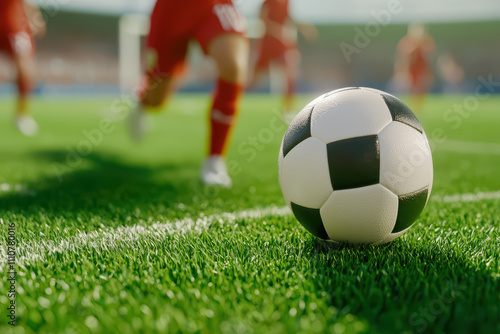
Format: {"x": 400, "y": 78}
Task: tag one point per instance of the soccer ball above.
{"x": 355, "y": 166}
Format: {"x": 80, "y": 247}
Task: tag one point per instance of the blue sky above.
{"x": 324, "y": 11}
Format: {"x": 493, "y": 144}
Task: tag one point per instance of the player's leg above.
{"x": 287, "y": 58}
{"x": 257, "y": 74}
{"x": 291, "y": 66}
{"x": 150, "y": 99}
{"x": 230, "y": 53}
{"x": 221, "y": 35}
{"x": 166, "y": 51}
{"x": 155, "y": 91}
{"x": 418, "y": 89}
{"x": 418, "y": 98}
{"x": 25, "y": 68}
{"x": 261, "y": 64}
{"x": 164, "y": 65}
{"x": 22, "y": 53}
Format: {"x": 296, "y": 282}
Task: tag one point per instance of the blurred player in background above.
{"x": 413, "y": 63}
{"x": 452, "y": 74}
{"x": 16, "y": 38}
{"x": 220, "y": 30}
{"x": 279, "y": 46}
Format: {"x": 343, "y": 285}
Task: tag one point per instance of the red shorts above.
{"x": 270, "y": 49}
{"x": 175, "y": 22}
{"x": 17, "y": 44}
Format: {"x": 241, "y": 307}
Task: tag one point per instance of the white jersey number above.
{"x": 229, "y": 18}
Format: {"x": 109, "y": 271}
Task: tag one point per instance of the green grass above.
{"x": 230, "y": 274}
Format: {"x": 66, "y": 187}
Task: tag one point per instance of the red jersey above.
{"x": 416, "y": 50}
{"x": 13, "y": 17}
{"x": 278, "y": 10}
{"x": 175, "y": 22}
{"x": 276, "y": 45}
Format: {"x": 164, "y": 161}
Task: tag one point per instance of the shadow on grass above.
{"x": 407, "y": 286}
{"x": 104, "y": 184}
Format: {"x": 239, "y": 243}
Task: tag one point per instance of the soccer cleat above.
{"x": 214, "y": 172}
{"x": 138, "y": 122}
{"x": 26, "y": 125}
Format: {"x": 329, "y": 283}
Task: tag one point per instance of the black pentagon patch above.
{"x": 401, "y": 112}
{"x": 311, "y": 220}
{"x": 340, "y": 90}
{"x": 298, "y": 131}
{"x": 410, "y": 207}
{"x": 354, "y": 162}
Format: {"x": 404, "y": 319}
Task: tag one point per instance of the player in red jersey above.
{"x": 279, "y": 46}
{"x": 16, "y": 38}
{"x": 413, "y": 62}
{"x": 220, "y": 30}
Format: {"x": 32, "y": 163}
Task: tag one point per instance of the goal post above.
{"x": 132, "y": 27}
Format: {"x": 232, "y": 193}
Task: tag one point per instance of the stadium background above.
{"x": 80, "y": 52}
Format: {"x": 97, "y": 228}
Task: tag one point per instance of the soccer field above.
{"x": 115, "y": 236}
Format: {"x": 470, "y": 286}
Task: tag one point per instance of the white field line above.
{"x": 104, "y": 239}
{"x": 469, "y": 147}
{"x": 465, "y": 198}
{"x": 16, "y": 188}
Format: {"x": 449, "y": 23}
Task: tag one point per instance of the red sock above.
{"x": 223, "y": 115}
{"x": 290, "y": 88}
{"x": 24, "y": 85}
